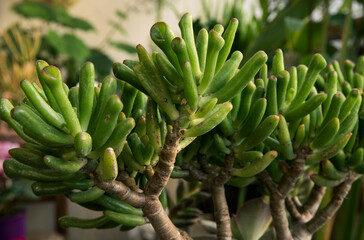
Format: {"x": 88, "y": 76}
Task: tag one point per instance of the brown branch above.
{"x": 163, "y": 170}
{"x": 308, "y": 210}
{"x": 120, "y": 191}
{"x": 216, "y": 185}
{"x": 266, "y": 179}
{"x": 221, "y": 212}
{"x": 277, "y": 207}
{"x": 157, "y": 181}
{"x": 290, "y": 177}
{"x": 185, "y": 235}
{"x": 160, "y": 221}
{"x": 337, "y": 199}
{"x": 279, "y": 194}
{"x": 216, "y": 182}
{"x": 297, "y": 201}
{"x": 221, "y": 208}
{"x": 280, "y": 221}
{"x": 148, "y": 201}
{"x": 205, "y": 167}
{"x": 225, "y": 171}
{"x": 128, "y": 181}
{"x": 195, "y": 173}
{"x": 312, "y": 203}
{"x": 149, "y": 171}
{"x": 292, "y": 209}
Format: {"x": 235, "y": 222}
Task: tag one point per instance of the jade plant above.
{"x": 193, "y": 112}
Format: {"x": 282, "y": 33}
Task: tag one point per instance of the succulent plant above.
{"x": 193, "y": 113}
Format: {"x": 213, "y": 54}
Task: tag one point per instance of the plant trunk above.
{"x": 221, "y": 212}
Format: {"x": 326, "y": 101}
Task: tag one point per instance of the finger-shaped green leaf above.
{"x": 242, "y": 78}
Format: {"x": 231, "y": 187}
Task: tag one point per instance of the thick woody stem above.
{"x": 221, "y": 212}
{"x": 325, "y": 214}
{"x": 265, "y": 178}
{"x": 308, "y": 210}
{"x": 290, "y": 177}
{"x": 205, "y": 167}
{"x": 121, "y": 191}
{"x": 280, "y": 221}
{"x": 292, "y": 209}
{"x": 297, "y": 201}
{"x": 216, "y": 182}
{"x": 128, "y": 181}
{"x": 165, "y": 166}
{"x": 277, "y": 207}
{"x": 225, "y": 171}
{"x": 221, "y": 208}
{"x": 195, "y": 173}
{"x": 160, "y": 221}
{"x": 279, "y": 194}
{"x": 313, "y": 202}
{"x": 152, "y": 208}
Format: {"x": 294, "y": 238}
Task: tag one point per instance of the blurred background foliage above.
{"x": 55, "y": 40}
{"x": 299, "y": 27}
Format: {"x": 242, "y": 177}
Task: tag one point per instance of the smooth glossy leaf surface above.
{"x": 253, "y": 219}
{"x": 69, "y": 45}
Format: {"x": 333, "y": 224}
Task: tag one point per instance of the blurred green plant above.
{"x": 300, "y": 28}
{"x": 18, "y": 50}
{"x": 66, "y": 48}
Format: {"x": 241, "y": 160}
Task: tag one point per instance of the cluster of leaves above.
{"x": 300, "y": 28}
{"x": 191, "y": 113}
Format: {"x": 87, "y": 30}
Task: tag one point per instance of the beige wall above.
{"x": 99, "y": 12}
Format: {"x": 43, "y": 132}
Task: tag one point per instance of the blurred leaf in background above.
{"x": 242, "y": 225}
{"x": 18, "y": 50}
{"x": 53, "y": 13}
{"x": 62, "y": 46}
{"x": 69, "y": 45}
{"x": 299, "y": 27}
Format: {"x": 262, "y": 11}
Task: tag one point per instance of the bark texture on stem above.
{"x": 215, "y": 181}
{"x": 326, "y": 213}
{"x": 278, "y": 194}
{"x": 305, "y": 231}
{"x": 221, "y": 212}
{"x": 290, "y": 177}
{"x": 163, "y": 170}
{"x": 308, "y": 210}
{"x": 226, "y": 171}
{"x": 153, "y": 209}
{"x": 126, "y": 190}
{"x": 128, "y": 181}
{"x": 292, "y": 209}
{"x": 204, "y": 165}
{"x": 221, "y": 208}
{"x": 280, "y": 221}
{"x": 277, "y": 208}
{"x": 160, "y": 221}
{"x": 121, "y": 191}
{"x": 313, "y": 202}
{"x": 195, "y": 173}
